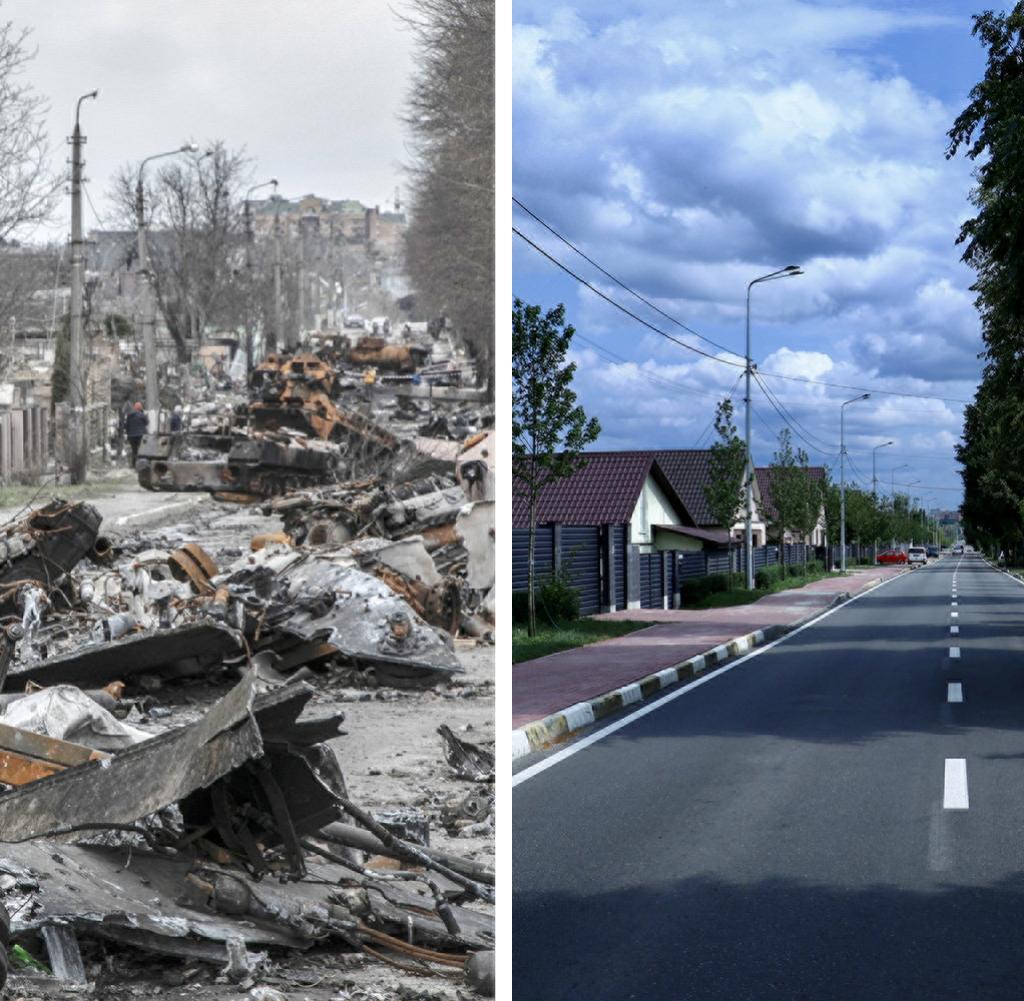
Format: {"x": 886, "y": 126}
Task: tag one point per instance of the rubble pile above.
{"x": 321, "y": 417}
{"x": 223, "y": 835}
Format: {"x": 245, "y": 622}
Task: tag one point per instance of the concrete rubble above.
{"x": 173, "y": 779}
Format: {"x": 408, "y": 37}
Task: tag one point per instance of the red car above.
{"x": 892, "y": 556}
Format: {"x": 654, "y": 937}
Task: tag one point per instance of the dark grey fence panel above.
{"x": 619, "y": 531}
{"x": 690, "y": 565}
{"x": 542, "y": 555}
{"x": 645, "y": 581}
{"x": 581, "y": 559}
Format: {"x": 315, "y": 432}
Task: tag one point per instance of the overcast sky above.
{"x": 311, "y": 88}
{"x": 691, "y": 147}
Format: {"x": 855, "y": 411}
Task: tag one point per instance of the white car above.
{"x": 917, "y": 554}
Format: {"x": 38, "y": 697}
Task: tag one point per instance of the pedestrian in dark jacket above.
{"x": 136, "y": 423}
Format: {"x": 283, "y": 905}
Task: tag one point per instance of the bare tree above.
{"x": 450, "y": 113}
{"x": 197, "y": 242}
{"x": 27, "y": 188}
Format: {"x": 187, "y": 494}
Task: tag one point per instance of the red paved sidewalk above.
{"x": 549, "y": 684}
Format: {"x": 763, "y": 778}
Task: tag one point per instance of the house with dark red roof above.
{"x": 764, "y": 481}
{"x": 659, "y": 494}
{"x": 627, "y": 489}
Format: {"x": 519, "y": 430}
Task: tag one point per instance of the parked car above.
{"x": 917, "y": 554}
{"x": 892, "y": 556}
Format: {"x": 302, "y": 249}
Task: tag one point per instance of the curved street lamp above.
{"x": 149, "y": 307}
{"x": 790, "y": 271}
{"x": 842, "y": 476}
{"x": 248, "y": 270}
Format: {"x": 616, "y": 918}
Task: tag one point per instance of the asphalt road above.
{"x": 821, "y": 822}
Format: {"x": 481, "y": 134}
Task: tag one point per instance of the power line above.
{"x": 785, "y": 421}
{"x": 607, "y": 298}
{"x": 642, "y": 372}
{"x": 785, "y": 414}
{"x": 724, "y": 361}
{"x": 712, "y": 423}
{"x": 622, "y": 284}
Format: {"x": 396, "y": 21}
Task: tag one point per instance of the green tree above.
{"x": 724, "y": 489}
{"x": 990, "y": 132}
{"x": 792, "y": 490}
{"x": 828, "y": 496}
{"x": 549, "y": 429}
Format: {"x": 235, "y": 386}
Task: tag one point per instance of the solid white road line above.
{"x": 582, "y": 744}
{"x": 954, "y": 629}
{"x": 954, "y": 795}
{"x": 954, "y": 651}
{"x": 955, "y": 691}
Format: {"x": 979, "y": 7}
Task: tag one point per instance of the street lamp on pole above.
{"x": 874, "y": 485}
{"x": 842, "y": 476}
{"x": 248, "y": 274}
{"x": 77, "y": 373}
{"x": 149, "y": 306}
{"x": 791, "y": 271}
{"x": 874, "y": 475}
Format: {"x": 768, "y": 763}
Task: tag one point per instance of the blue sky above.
{"x": 689, "y": 147}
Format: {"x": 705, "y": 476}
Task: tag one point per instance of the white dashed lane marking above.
{"x": 955, "y": 691}
{"x": 954, "y": 795}
{"x": 954, "y": 652}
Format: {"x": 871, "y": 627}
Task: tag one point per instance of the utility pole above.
{"x": 788, "y": 272}
{"x": 874, "y": 483}
{"x": 278, "y": 333}
{"x": 296, "y": 330}
{"x": 148, "y": 311}
{"x": 248, "y": 278}
{"x": 76, "y": 363}
{"x": 149, "y": 294}
{"x": 842, "y": 476}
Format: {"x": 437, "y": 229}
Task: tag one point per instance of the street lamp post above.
{"x": 248, "y": 274}
{"x": 874, "y": 484}
{"x": 149, "y": 305}
{"x": 842, "y": 477}
{"x": 791, "y": 271}
{"x": 911, "y": 501}
{"x": 79, "y": 433}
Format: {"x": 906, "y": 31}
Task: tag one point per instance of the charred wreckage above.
{"x": 240, "y": 828}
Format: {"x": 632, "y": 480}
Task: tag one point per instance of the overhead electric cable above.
{"x": 618, "y": 305}
{"x": 622, "y": 284}
{"x": 724, "y": 361}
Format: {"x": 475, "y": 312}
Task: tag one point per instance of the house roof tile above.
{"x": 603, "y": 492}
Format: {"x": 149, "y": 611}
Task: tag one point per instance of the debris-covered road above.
{"x": 247, "y": 749}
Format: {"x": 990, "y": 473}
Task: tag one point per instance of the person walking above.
{"x": 136, "y": 423}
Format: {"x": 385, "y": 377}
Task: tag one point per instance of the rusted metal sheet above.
{"x": 26, "y": 756}
{"x": 194, "y": 564}
{"x": 141, "y": 779}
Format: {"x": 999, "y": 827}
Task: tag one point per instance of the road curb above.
{"x": 141, "y": 519}
{"x": 542, "y": 733}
